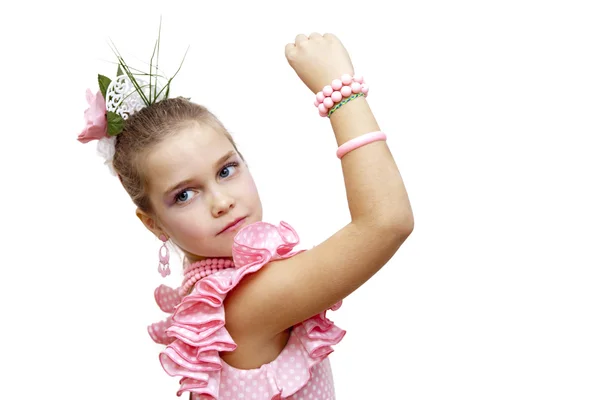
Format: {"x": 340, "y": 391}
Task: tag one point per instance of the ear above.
{"x": 149, "y": 222}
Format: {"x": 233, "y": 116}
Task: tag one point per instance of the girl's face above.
{"x": 199, "y": 186}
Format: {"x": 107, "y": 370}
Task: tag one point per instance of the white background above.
{"x": 492, "y": 112}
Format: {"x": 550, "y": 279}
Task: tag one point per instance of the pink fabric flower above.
{"x": 95, "y": 118}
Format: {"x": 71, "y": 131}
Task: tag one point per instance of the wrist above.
{"x": 338, "y": 92}
{"x": 353, "y": 120}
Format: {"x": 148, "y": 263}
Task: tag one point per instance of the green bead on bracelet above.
{"x": 341, "y": 103}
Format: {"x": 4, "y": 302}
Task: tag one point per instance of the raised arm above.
{"x": 289, "y": 291}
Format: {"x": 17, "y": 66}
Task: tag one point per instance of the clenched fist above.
{"x": 318, "y": 59}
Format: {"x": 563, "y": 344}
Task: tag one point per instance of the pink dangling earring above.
{"x": 163, "y": 260}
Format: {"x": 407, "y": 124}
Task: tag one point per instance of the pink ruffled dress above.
{"x": 195, "y": 333}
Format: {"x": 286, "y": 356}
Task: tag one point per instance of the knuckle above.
{"x": 329, "y": 36}
{"x": 290, "y": 53}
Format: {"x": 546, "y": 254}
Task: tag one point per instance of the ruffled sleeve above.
{"x": 167, "y": 299}
{"x": 196, "y": 331}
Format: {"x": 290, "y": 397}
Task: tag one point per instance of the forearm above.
{"x": 374, "y": 186}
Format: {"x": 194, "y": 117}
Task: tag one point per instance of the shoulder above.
{"x": 255, "y": 249}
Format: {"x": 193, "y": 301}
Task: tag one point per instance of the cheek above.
{"x": 250, "y": 191}
{"x": 187, "y": 225}
{"x": 190, "y": 229}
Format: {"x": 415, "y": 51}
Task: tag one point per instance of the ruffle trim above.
{"x": 196, "y": 332}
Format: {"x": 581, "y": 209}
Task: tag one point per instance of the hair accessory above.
{"x": 163, "y": 260}
{"x": 345, "y": 88}
{"x": 123, "y": 98}
{"x": 359, "y": 142}
{"x": 118, "y": 99}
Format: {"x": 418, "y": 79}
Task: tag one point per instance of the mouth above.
{"x": 233, "y": 226}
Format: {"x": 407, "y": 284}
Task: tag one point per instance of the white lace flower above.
{"x": 106, "y": 150}
{"x": 123, "y": 98}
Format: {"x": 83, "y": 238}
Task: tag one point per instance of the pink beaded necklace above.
{"x": 201, "y": 269}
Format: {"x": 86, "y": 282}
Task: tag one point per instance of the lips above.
{"x": 235, "y": 224}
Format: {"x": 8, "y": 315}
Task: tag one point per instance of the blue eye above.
{"x": 183, "y": 197}
{"x": 226, "y": 171}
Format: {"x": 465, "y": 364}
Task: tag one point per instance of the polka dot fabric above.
{"x": 250, "y": 384}
{"x": 196, "y": 333}
{"x": 166, "y": 298}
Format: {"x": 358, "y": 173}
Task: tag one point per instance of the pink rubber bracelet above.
{"x": 359, "y": 142}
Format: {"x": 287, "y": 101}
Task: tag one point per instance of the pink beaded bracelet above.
{"x": 339, "y": 90}
{"x": 359, "y": 141}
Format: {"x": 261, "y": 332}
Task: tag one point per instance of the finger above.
{"x": 301, "y": 39}
{"x": 289, "y": 48}
{"x": 315, "y": 36}
{"x": 329, "y": 36}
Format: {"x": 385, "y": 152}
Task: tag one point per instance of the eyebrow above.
{"x": 186, "y": 182}
{"x": 224, "y": 158}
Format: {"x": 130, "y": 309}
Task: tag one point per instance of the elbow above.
{"x": 400, "y": 227}
{"x": 394, "y": 226}
{"x": 397, "y": 220}
{"x": 386, "y": 235}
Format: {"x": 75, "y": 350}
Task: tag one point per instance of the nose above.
{"x": 222, "y": 203}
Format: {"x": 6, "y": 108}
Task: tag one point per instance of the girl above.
{"x": 249, "y": 320}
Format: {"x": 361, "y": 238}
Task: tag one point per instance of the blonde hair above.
{"x": 144, "y": 130}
